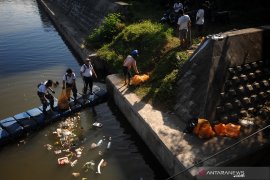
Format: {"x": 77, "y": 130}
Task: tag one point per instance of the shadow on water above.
{"x": 48, "y": 24}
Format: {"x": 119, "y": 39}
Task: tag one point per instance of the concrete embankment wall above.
{"x": 75, "y": 20}
{"x": 205, "y": 74}
{"x": 160, "y": 131}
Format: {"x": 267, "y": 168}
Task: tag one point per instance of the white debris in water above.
{"x": 99, "y": 142}
{"x": 93, "y": 146}
{"x": 76, "y": 174}
{"x": 100, "y": 153}
{"x": 72, "y": 164}
{"x": 99, "y": 165}
{"x": 48, "y": 146}
{"x": 109, "y": 145}
{"x": 57, "y": 152}
{"x": 89, "y": 165}
{"x": 246, "y": 122}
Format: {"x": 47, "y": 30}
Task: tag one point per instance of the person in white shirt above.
{"x": 177, "y": 6}
{"x": 44, "y": 95}
{"x": 69, "y": 83}
{"x": 184, "y": 23}
{"x": 87, "y": 71}
{"x": 200, "y": 21}
{"x": 128, "y": 63}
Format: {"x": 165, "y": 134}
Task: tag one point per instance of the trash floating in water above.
{"x": 89, "y": 165}
{"x": 57, "y": 152}
{"x": 76, "y": 174}
{"x": 99, "y": 164}
{"x": 63, "y": 161}
{"x": 93, "y": 146}
{"x": 99, "y": 142}
{"x": 96, "y": 124}
{"x": 100, "y": 153}
{"x": 109, "y": 145}
{"x": 78, "y": 152}
{"x": 48, "y": 146}
{"x": 72, "y": 164}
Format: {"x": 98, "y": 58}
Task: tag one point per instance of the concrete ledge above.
{"x": 159, "y": 131}
{"x": 180, "y": 153}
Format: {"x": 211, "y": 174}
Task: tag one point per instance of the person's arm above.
{"x": 64, "y": 84}
{"x": 51, "y": 90}
{"x": 81, "y": 70}
{"x": 189, "y": 23}
{"x": 135, "y": 67}
{"x": 94, "y": 72}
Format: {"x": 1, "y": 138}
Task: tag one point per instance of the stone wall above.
{"x": 88, "y": 14}
{"x": 204, "y": 75}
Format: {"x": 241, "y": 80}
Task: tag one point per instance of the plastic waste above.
{"x": 49, "y": 147}
{"x": 63, "y": 161}
{"x": 99, "y": 142}
{"x": 78, "y": 152}
{"x": 57, "y": 152}
{"x": 109, "y": 145}
{"x": 63, "y": 103}
{"x": 96, "y": 124}
{"x": 76, "y": 174}
{"x": 93, "y": 146}
{"x": 89, "y": 165}
{"x": 139, "y": 79}
{"x": 203, "y": 129}
{"x": 100, "y": 153}
{"x": 99, "y": 164}
{"x": 72, "y": 164}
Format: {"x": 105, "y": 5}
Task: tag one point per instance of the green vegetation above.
{"x": 160, "y": 56}
{"x": 157, "y": 58}
{"x": 110, "y": 27}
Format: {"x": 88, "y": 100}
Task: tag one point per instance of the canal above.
{"x": 31, "y": 51}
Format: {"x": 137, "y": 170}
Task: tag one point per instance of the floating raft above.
{"x": 14, "y": 127}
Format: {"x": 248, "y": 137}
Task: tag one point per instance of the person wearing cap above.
{"x": 128, "y": 63}
{"x": 44, "y": 95}
{"x": 87, "y": 71}
{"x": 69, "y": 83}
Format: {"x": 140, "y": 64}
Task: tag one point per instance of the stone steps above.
{"x": 245, "y": 92}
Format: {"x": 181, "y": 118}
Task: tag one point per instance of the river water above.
{"x": 31, "y": 51}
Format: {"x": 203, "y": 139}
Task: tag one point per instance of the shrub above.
{"x": 110, "y": 27}
{"x": 146, "y": 36}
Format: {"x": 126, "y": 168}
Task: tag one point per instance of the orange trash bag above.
{"x": 63, "y": 103}
{"x": 220, "y": 129}
{"x": 139, "y": 79}
{"x": 232, "y": 130}
{"x": 68, "y": 92}
{"x": 229, "y": 130}
{"x": 203, "y": 129}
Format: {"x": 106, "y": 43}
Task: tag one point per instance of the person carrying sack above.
{"x": 63, "y": 102}
{"x": 128, "y": 63}
{"x": 69, "y": 83}
{"x": 44, "y": 95}
{"x": 87, "y": 71}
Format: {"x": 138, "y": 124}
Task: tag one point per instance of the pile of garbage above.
{"x": 139, "y": 79}
{"x": 203, "y": 129}
{"x": 69, "y": 146}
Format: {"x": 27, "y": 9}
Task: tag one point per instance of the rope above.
{"x": 218, "y": 152}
